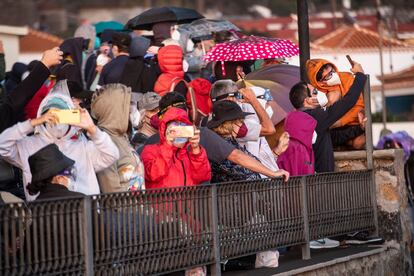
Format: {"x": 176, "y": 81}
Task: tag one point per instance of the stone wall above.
{"x": 392, "y": 202}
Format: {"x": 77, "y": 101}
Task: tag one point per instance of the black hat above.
{"x": 123, "y": 39}
{"x": 106, "y": 35}
{"x": 226, "y": 111}
{"x": 48, "y": 162}
{"x": 68, "y": 72}
{"x": 172, "y": 99}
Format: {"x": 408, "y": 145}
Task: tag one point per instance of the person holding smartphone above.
{"x": 178, "y": 159}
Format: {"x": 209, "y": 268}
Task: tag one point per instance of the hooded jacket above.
{"x": 299, "y": 159}
{"x": 347, "y": 79}
{"x": 169, "y": 166}
{"x": 110, "y": 107}
{"x": 90, "y": 155}
{"x": 170, "y": 61}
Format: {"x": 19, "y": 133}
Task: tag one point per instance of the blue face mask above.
{"x": 180, "y": 140}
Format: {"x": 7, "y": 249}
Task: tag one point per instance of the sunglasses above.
{"x": 311, "y": 93}
{"x": 329, "y": 75}
{"x": 236, "y": 94}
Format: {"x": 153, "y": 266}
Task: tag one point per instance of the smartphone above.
{"x": 350, "y": 60}
{"x": 182, "y": 131}
{"x": 68, "y": 116}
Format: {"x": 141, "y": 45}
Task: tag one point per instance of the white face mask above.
{"x": 135, "y": 117}
{"x": 190, "y": 45}
{"x": 175, "y": 35}
{"x": 70, "y": 185}
{"x": 314, "y": 137}
{"x": 334, "y": 80}
{"x": 102, "y": 60}
{"x": 25, "y": 74}
{"x": 57, "y": 131}
{"x": 322, "y": 99}
{"x": 269, "y": 111}
{"x": 185, "y": 65}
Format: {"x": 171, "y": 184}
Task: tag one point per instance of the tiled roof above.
{"x": 397, "y": 80}
{"x": 403, "y": 75}
{"x": 355, "y": 37}
{"x": 37, "y": 41}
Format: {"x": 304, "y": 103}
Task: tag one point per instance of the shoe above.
{"x": 362, "y": 237}
{"x": 323, "y": 243}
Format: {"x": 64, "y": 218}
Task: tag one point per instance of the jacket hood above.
{"x": 312, "y": 67}
{"x": 139, "y": 46}
{"x": 172, "y": 114}
{"x": 61, "y": 91}
{"x": 170, "y": 60}
{"x": 300, "y": 126}
{"x": 110, "y": 107}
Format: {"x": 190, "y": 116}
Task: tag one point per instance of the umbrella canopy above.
{"x": 145, "y": 20}
{"x": 279, "y": 79}
{"x": 252, "y": 48}
{"x": 205, "y": 27}
{"x": 111, "y": 25}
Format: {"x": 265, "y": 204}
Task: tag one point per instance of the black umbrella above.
{"x": 145, "y": 20}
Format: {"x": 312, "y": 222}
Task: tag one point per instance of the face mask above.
{"x": 180, "y": 140}
{"x": 175, "y": 35}
{"x": 155, "y": 121}
{"x": 185, "y": 66}
{"x": 25, "y": 74}
{"x": 135, "y": 118}
{"x": 334, "y": 80}
{"x": 322, "y": 99}
{"x": 242, "y": 131}
{"x": 269, "y": 111}
{"x": 102, "y": 60}
{"x": 190, "y": 45}
{"x": 57, "y": 131}
{"x": 70, "y": 184}
{"x": 314, "y": 137}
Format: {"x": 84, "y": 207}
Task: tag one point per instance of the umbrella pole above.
{"x": 303, "y": 30}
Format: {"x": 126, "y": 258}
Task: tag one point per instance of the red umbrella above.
{"x": 252, "y": 48}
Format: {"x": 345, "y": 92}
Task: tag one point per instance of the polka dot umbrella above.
{"x": 253, "y": 48}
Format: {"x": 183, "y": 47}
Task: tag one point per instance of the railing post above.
{"x": 87, "y": 239}
{"x": 370, "y": 149}
{"x": 305, "y": 247}
{"x": 215, "y": 268}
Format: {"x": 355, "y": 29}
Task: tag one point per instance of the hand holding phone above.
{"x": 67, "y": 116}
{"x": 350, "y": 60}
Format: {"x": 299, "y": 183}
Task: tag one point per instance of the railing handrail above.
{"x": 124, "y": 232}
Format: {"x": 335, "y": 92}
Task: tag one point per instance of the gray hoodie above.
{"x": 91, "y": 156}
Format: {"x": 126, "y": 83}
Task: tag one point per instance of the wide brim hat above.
{"x": 48, "y": 162}
{"x": 226, "y": 110}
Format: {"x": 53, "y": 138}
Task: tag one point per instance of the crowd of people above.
{"x": 154, "y": 114}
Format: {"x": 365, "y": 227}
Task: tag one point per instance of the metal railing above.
{"x": 161, "y": 231}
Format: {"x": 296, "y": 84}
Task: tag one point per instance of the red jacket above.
{"x": 31, "y": 108}
{"x": 169, "y": 166}
{"x": 170, "y": 60}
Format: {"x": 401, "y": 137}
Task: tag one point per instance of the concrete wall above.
{"x": 393, "y": 217}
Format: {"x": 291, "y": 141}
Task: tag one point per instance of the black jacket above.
{"x": 56, "y": 190}
{"x": 324, "y": 157}
{"x": 13, "y": 105}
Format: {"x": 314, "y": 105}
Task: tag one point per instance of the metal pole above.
{"x": 303, "y": 31}
{"x": 368, "y": 125}
{"x": 215, "y": 268}
{"x": 87, "y": 239}
{"x": 370, "y": 150}
{"x": 305, "y": 248}
{"x": 380, "y": 47}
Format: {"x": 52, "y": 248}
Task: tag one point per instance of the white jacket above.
{"x": 90, "y": 156}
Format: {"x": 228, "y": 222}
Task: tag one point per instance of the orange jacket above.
{"x": 313, "y": 66}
